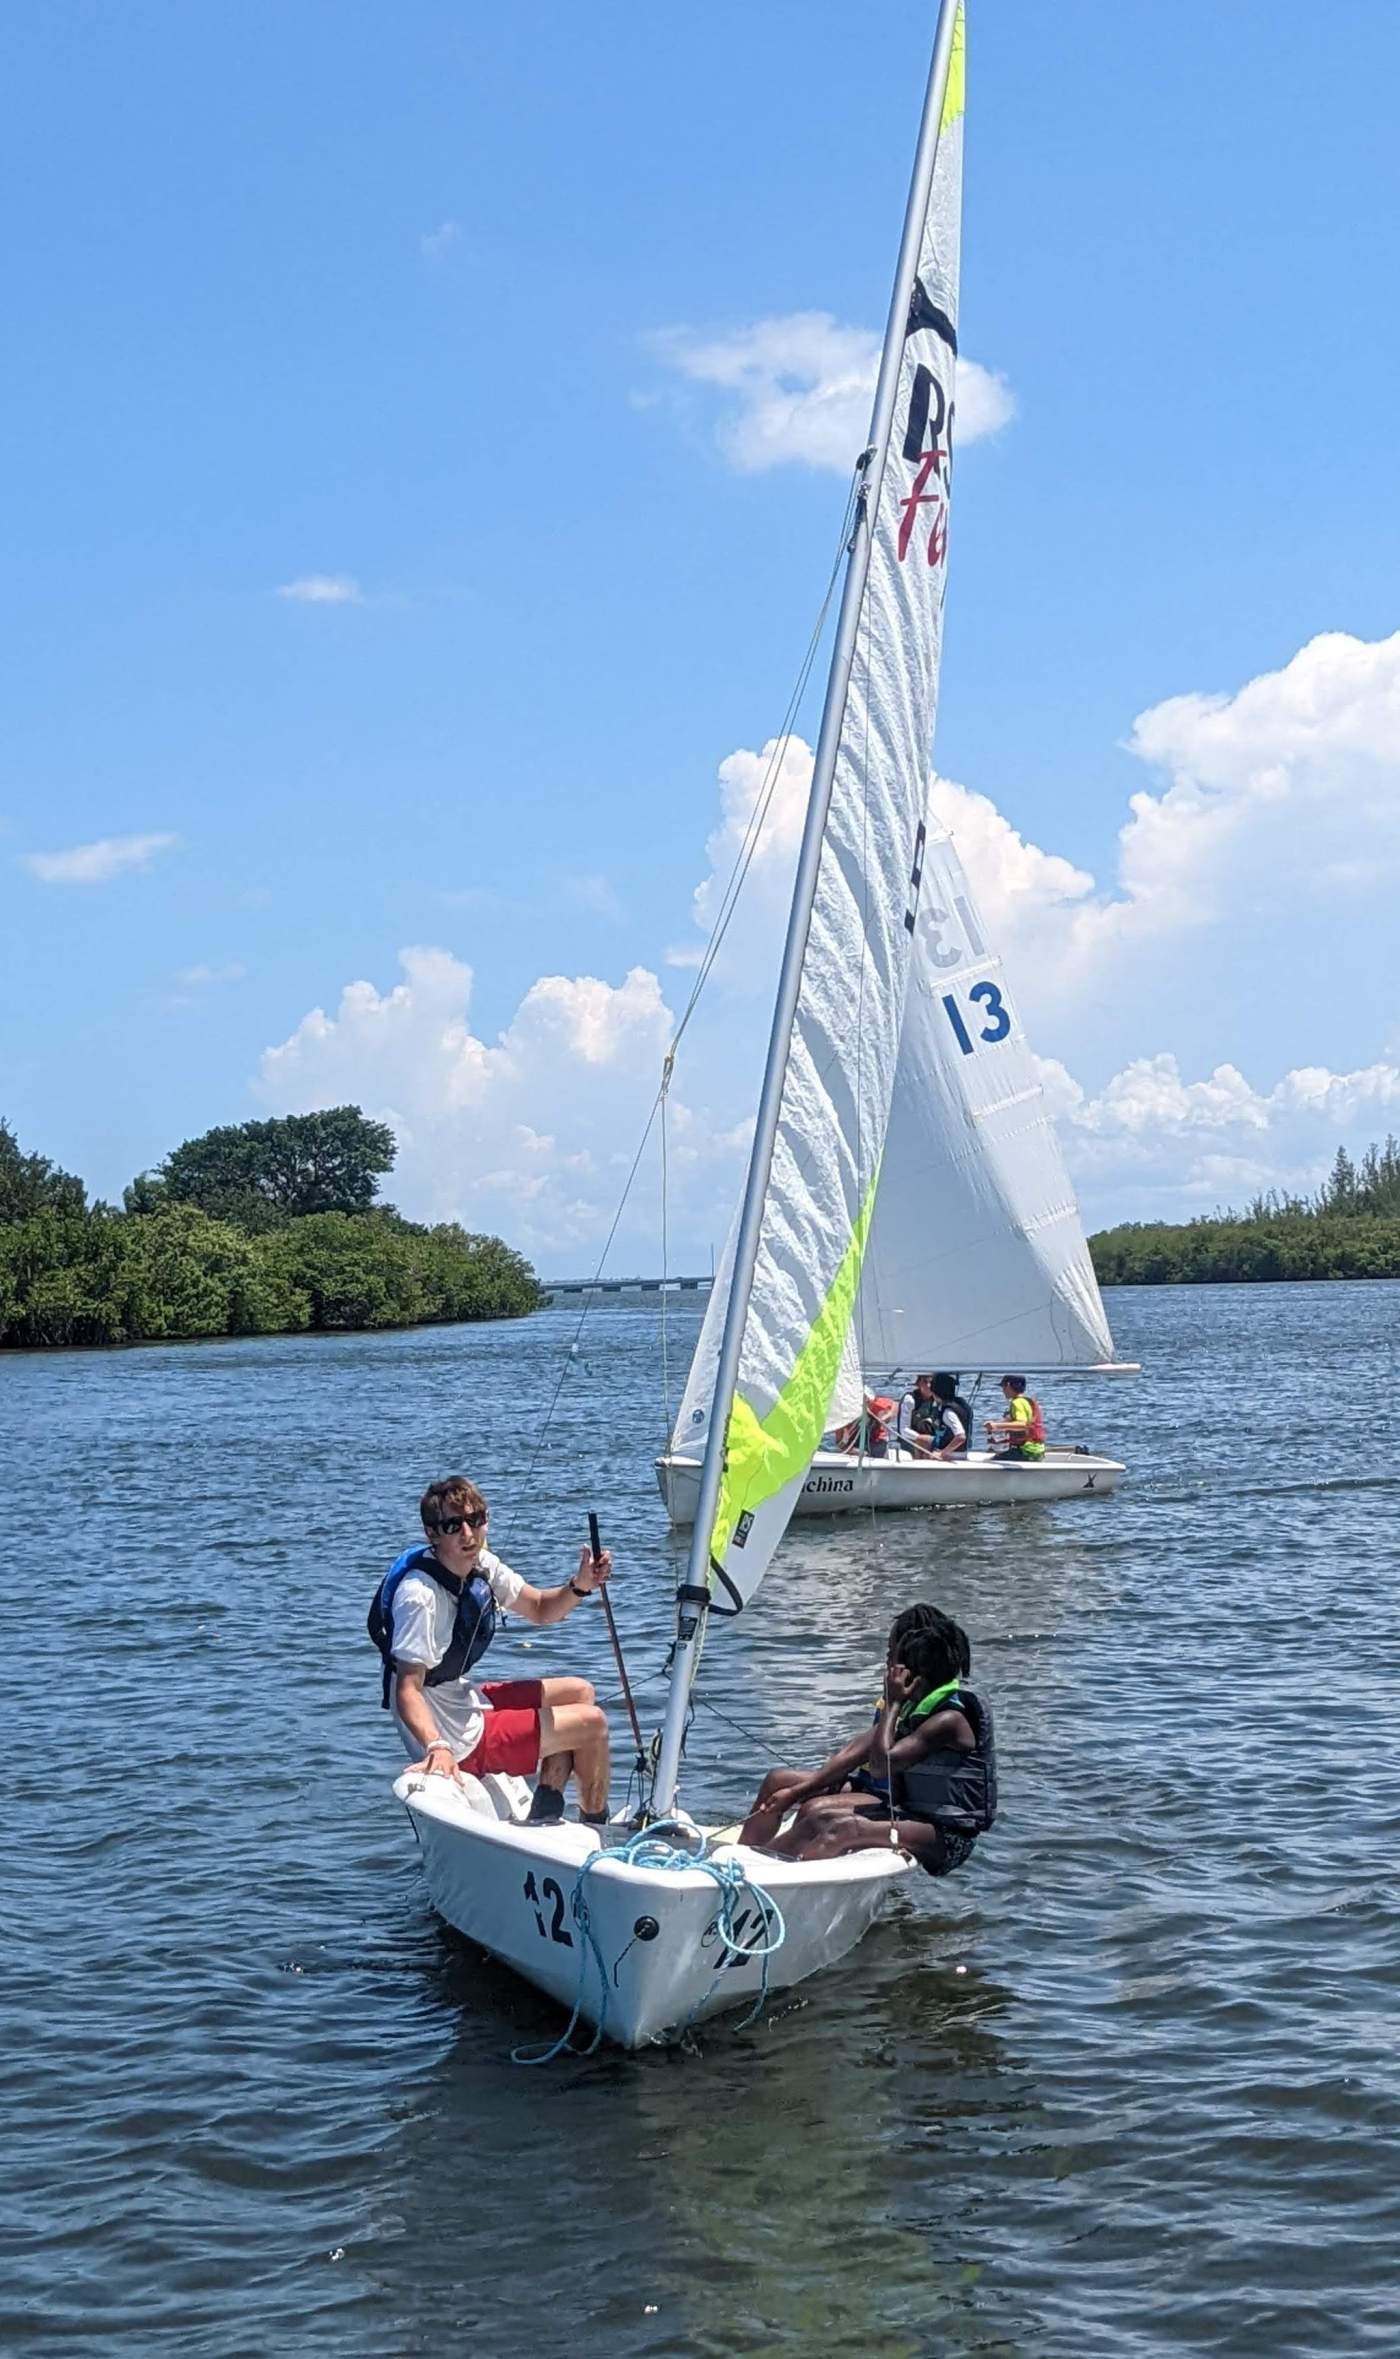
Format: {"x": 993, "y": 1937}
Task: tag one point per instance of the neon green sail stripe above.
{"x": 763, "y": 1455}
{"x": 955, "y": 96}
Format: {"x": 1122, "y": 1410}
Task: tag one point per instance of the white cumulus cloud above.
{"x": 1151, "y": 1144}
{"x": 529, "y": 1135}
{"x": 1284, "y": 792}
{"x": 323, "y": 589}
{"x": 97, "y": 864}
{"x": 797, "y": 389}
{"x": 1316, "y": 741}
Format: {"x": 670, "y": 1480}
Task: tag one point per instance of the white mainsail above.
{"x": 838, "y": 1063}
{"x": 977, "y": 1257}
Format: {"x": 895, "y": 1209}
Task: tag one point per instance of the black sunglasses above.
{"x": 452, "y": 1524}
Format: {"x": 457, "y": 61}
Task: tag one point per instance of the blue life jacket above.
{"x": 472, "y": 1632}
{"x": 942, "y": 1436}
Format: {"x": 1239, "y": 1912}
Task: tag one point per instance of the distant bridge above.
{"x": 556, "y": 1287}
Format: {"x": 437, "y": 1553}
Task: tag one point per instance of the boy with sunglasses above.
{"x": 439, "y": 1605}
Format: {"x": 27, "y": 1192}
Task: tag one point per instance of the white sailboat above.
{"x": 637, "y": 1934}
{"x": 977, "y": 1257}
{"x": 967, "y": 1252}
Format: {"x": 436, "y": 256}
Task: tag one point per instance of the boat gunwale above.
{"x": 413, "y": 1790}
{"x": 1057, "y": 1454}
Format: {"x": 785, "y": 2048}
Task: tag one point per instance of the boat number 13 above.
{"x": 989, "y": 1003}
{"x": 536, "y": 1894}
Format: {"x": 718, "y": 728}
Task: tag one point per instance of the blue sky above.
{"x": 371, "y": 535}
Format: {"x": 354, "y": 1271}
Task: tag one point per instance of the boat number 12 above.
{"x": 989, "y": 1003}
{"x": 556, "y": 1929}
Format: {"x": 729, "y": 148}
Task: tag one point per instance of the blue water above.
{"x": 1129, "y": 2085}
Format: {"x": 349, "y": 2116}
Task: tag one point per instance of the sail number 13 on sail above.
{"x": 989, "y": 1002}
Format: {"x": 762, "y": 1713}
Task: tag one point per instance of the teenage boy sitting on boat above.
{"x": 923, "y": 1777}
{"x": 1021, "y": 1432}
{"x": 433, "y": 1617}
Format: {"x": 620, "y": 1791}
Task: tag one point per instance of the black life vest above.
{"x": 959, "y": 1407}
{"x": 925, "y": 1415}
{"x": 950, "y": 1788}
{"x": 472, "y": 1631}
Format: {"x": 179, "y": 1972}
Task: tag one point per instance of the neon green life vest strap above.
{"x": 929, "y": 1703}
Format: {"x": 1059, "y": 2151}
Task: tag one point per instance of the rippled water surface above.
{"x": 1129, "y": 2085}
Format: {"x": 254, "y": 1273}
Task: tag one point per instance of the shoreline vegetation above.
{"x": 274, "y": 1228}
{"x": 264, "y": 1228}
{"x": 1349, "y": 1229}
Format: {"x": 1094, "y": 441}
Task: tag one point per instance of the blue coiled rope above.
{"x": 647, "y": 1850}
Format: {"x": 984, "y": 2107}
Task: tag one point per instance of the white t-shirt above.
{"x": 955, "y": 1430}
{"x": 905, "y": 1429}
{"x": 424, "y": 1615}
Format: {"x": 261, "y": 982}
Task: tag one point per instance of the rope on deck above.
{"x": 648, "y": 1849}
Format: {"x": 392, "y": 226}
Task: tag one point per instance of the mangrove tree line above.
{"x": 257, "y": 1228}
{"x": 1349, "y": 1229}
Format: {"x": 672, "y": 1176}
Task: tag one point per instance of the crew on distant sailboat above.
{"x": 953, "y": 1433}
{"x": 934, "y": 1420}
{"x": 869, "y": 1434}
{"x": 922, "y": 1778}
{"x": 1021, "y": 1432}
{"x": 432, "y": 1618}
{"x": 918, "y": 1415}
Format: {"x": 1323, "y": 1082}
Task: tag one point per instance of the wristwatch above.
{"x": 579, "y": 1592}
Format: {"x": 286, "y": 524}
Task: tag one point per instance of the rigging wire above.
{"x": 760, "y": 1744}
{"x": 728, "y": 903}
{"x": 744, "y": 857}
{"x": 665, "y": 1274}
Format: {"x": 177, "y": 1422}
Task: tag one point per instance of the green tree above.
{"x": 353, "y": 1272}
{"x": 183, "y": 1274}
{"x": 167, "y": 1268}
{"x": 30, "y": 1183}
{"x": 260, "y": 1174}
{"x": 1338, "y": 1193}
{"x": 47, "y": 1283}
{"x": 462, "y": 1276}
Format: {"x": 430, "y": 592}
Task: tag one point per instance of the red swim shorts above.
{"x": 509, "y": 1744}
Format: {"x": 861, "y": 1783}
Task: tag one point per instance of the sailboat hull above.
{"x": 510, "y": 1888}
{"x": 838, "y": 1485}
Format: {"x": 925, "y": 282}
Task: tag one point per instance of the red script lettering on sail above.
{"x": 917, "y": 498}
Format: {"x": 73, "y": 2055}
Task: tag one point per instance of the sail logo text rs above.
{"x": 831, "y": 1482}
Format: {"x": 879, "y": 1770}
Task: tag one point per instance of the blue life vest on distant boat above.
{"x": 472, "y": 1631}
